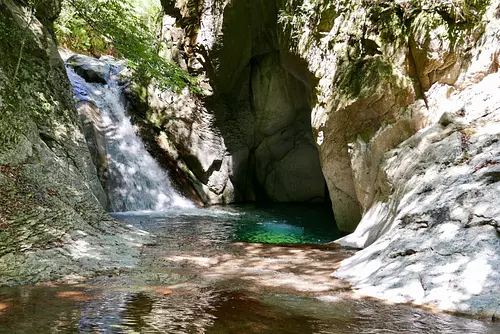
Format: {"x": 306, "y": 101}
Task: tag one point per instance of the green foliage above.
{"x": 397, "y": 20}
{"x": 125, "y": 29}
{"x": 75, "y": 34}
{"x": 294, "y": 18}
{"x": 361, "y": 78}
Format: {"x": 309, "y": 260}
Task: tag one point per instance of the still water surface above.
{"x": 220, "y": 271}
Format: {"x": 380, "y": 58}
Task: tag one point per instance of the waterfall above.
{"x": 136, "y": 181}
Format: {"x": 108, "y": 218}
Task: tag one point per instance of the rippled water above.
{"x": 201, "y": 277}
{"x": 275, "y": 224}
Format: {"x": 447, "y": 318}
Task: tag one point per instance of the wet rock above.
{"x": 93, "y": 130}
{"x": 90, "y": 69}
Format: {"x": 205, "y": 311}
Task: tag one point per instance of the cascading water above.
{"x": 136, "y": 181}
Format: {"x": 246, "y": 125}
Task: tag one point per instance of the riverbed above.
{"x": 240, "y": 269}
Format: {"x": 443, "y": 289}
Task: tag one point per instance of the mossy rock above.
{"x": 363, "y": 77}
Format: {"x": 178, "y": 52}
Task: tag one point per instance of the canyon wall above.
{"x": 249, "y": 136}
{"x": 52, "y": 221}
{"x": 403, "y": 109}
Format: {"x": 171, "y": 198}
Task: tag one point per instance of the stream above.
{"x": 234, "y": 269}
{"x": 241, "y": 269}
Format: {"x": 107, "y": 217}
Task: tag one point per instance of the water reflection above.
{"x": 278, "y": 224}
{"x": 43, "y": 310}
{"x": 196, "y": 279}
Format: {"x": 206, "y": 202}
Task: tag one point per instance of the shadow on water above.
{"x": 256, "y": 223}
{"x": 293, "y": 224}
{"x": 78, "y": 309}
{"x": 199, "y": 277}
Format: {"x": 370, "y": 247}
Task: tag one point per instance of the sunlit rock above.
{"x": 49, "y": 187}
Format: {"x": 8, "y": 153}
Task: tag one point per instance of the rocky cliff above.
{"x": 273, "y": 69}
{"x": 431, "y": 232}
{"x": 51, "y": 221}
{"x": 393, "y": 102}
{"x": 249, "y": 137}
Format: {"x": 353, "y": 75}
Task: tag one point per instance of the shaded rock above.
{"x": 90, "y": 69}
{"x": 48, "y": 10}
{"x": 287, "y": 164}
{"x": 93, "y": 130}
{"x": 190, "y": 140}
{"x": 51, "y": 222}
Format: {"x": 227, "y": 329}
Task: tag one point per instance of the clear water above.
{"x": 240, "y": 269}
{"x": 199, "y": 277}
{"x": 272, "y": 224}
{"x": 286, "y": 224}
{"x": 137, "y": 182}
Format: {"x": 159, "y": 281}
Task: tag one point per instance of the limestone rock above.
{"x": 438, "y": 197}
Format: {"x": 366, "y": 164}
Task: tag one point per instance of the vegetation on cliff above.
{"x": 124, "y": 29}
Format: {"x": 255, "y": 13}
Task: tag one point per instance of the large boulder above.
{"x": 90, "y": 69}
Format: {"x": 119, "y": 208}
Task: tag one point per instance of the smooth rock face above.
{"x": 51, "y": 222}
{"x": 431, "y": 235}
{"x": 251, "y": 137}
{"x": 320, "y": 57}
{"x": 435, "y": 240}
{"x": 287, "y": 164}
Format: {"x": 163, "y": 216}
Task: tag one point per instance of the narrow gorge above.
{"x": 291, "y": 158}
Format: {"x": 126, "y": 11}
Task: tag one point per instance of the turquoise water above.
{"x": 194, "y": 278}
{"x": 271, "y": 224}
{"x": 286, "y": 224}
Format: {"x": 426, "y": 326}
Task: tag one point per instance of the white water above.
{"x": 137, "y": 182}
